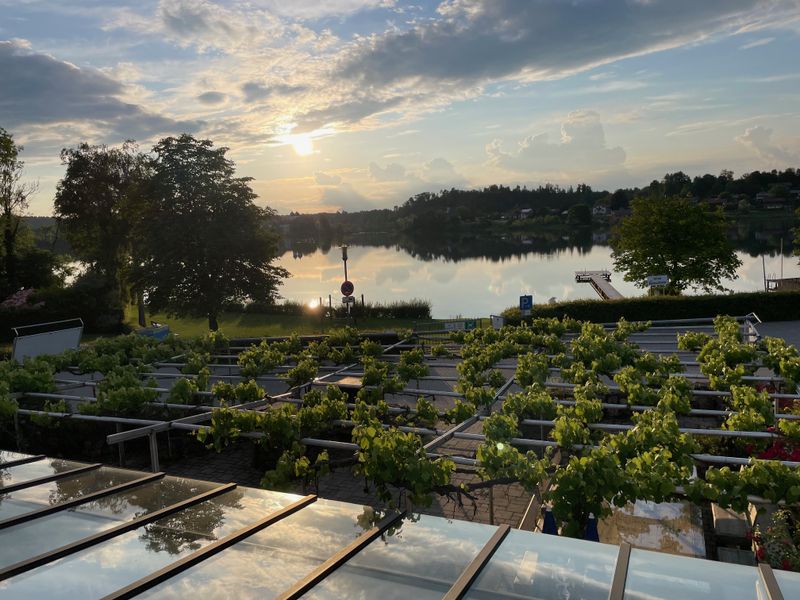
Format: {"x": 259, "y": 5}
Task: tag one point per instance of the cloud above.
{"x": 391, "y": 172}
{"x": 39, "y": 89}
{"x": 322, "y": 178}
{"x": 315, "y": 9}
{"x": 757, "y": 43}
{"x": 759, "y": 140}
{"x": 475, "y": 41}
{"x": 442, "y": 173}
{"x": 344, "y": 197}
{"x": 211, "y": 98}
{"x": 255, "y": 91}
{"x": 582, "y": 147}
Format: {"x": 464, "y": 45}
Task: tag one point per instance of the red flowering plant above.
{"x": 779, "y": 544}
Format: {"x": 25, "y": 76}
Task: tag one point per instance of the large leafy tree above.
{"x": 673, "y": 236}
{"x": 204, "y": 243}
{"x": 14, "y": 194}
{"x": 97, "y": 201}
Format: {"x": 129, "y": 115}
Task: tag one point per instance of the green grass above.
{"x": 259, "y": 325}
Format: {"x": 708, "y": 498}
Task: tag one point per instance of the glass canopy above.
{"x": 115, "y": 533}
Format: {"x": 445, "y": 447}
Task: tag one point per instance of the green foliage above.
{"x": 8, "y": 406}
{"x": 728, "y": 488}
{"x": 195, "y": 362}
{"x": 585, "y": 486}
{"x": 192, "y": 188}
{"x": 427, "y": 415}
{"x": 532, "y": 368}
{"x": 674, "y": 237}
{"x": 501, "y": 427}
{"x": 258, "y": 360}
{"x": 412, "y": 365}
{"x": 370, "y": 348}
{"x": 344, "y": 336}
{"x": 536, "y": 403}
{"x": 726, "y": 359}
{"x": 51, "y": 406}
{"x": 303, "y": 372}
{"x": 460, "y": 412}
{"x": 439, "y": 350}
{"x": 343, "y": 355}
{"x": 247, "y": 391}
{"x": 34, "y": 375}
{"x": 182, "y": 391}
{"x": 392, "y": 458}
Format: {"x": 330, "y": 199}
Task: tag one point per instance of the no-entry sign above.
{"x": 347, "y": 288}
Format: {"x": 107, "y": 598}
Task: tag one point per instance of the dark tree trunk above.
{"x": 212, "y": 322}
{"x": 9, "y": 260}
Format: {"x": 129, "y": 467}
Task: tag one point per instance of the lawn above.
{"x": 259, "y": 325}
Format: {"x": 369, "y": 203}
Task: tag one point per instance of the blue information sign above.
{"x": 525, "y": 304}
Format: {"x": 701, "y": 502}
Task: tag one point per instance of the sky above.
{"x": 359, "y": 104}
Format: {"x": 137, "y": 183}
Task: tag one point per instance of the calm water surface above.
{"x": 475, "y": 286}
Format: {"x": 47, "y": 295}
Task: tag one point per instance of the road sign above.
{"x": 655, "y": 280}
{"x": 348, "y": 300}
{"x": 347, "y": 288}
{"x": 525, "y": 305}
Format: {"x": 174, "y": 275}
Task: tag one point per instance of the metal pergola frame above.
{"x": 150, "y": 428}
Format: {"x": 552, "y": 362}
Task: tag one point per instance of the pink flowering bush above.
{"x": 20, "y": 301}
{"x": 779, "y": 544}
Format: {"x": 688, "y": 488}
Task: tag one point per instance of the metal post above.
{"x": 121, "y": 447}
{"x": 154, "y": 466}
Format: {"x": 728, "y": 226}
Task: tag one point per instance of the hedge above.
{"x": 407, "y": 309}
{"x": 769, "y": 306}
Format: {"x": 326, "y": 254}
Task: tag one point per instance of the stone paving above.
{"x": 234, "y": 465}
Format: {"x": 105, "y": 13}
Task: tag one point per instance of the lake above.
{"x": 477, "y": 286}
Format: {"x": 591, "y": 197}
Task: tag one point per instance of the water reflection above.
{"x": 463, "y": 281}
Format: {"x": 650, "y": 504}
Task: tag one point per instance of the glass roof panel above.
{"x": 789, "y": 582}
{"x": 52, "y": 531}
{"x": 271, "y": 561}
{"x": 9, "y": 455}
{"x": 654, "y": 575}
{"x": 535, "y": 565}
{"x": 419, "y": 560}
{"x": 62, "y": 490}
{"x": 40, "y": 468}
{"x": 102, "y": 569}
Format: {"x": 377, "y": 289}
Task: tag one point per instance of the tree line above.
{"x": 174, "y": 227}
{"x": 449, "y": 210}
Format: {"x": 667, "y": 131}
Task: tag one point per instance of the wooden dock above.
{"x": 600, "y": 281}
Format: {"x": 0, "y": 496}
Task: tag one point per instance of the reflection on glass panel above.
{"x": 789, "y": 582}
{"x": 40, "y": 468}
{"x": 420, "y": 560}
{"x": 62, "y": 490}
{"x": 100, "y": 570}
{"x": 534, "y": 565}
{"x": 269, "y": 562}
{"x": 654, "y": 575}
{"x": 51, "y": 531}
{"x": 8, "y": 455}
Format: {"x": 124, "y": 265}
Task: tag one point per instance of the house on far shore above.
{"x": 525, "y": 213}
{"x": 600, "y": 210}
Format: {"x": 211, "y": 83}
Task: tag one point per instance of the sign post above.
{"x": 657, "y": 283}
{"x": 347, "y": 287}
{"x": 525, "y": 305}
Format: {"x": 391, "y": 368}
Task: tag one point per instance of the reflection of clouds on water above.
{"x": 392, "y": 274}
{"x": 477, "y": 286}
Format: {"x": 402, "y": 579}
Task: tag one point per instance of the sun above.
{"x": 302, "y": 144}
